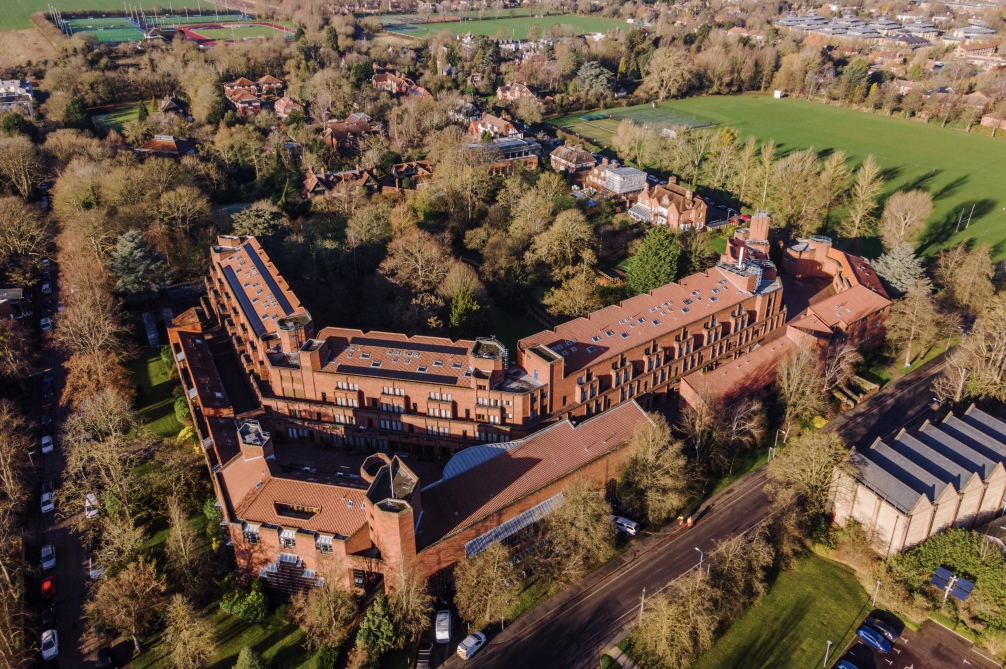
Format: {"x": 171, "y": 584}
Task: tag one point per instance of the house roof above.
{"x": 167, "y": 144}
{"x": 671, "y": 195}
{"x": 240, "y": 95}
{"x": 747, "y": 374}
{"x": 622, "y": 326}
{"x": 241, "y": 81}
{"x": 390, "y": 355}
{"x": 491, "y": 485}
{"x": 575, "y": 155}
{"x": 269, "y": 80}
{"x": 849, "y": 306}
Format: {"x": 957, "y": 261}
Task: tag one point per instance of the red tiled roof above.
{"x": 859, "y": 269}
{"x": 550, "y": 455}
{"x": 200, "y": 364}
{"x": 241, "y": 81}
{"x": 747, "y": 374}
{"x": 642, "y": 318}
{"x": 849, "y": 306}
{"x": 260, "y": 295}
{"x": 240, "y": 95}
{"x": 335, "y": 515}
{"x": 167, "y": 144}
{"x": 268, "y": 80}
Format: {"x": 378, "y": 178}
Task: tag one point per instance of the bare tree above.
{"x": 840, "y": 365}
{"x": 800, "y": 386}
{"x": 737, "y": 569}
{"x": 411, "y": 605}
{"x": 185, "y": 549}
{"x": 21, "y": 164}
{"x": 654, "y": 480}
{"x": 184, "y": 207}
{"x": 969, "y": 282}
{"x": 486, "y": 585}
{"x": 23, "y": 231}
{"x": 805, "y": 468}
{"x": 743, "y": 426}
{"x": 977, "y": 366}
{"x": 576, "y": 297}
{"x": 678, "y": 625}
{"x": 189, "y": 637}
{"x": 326, "y": 613}
{"x": 129, "y": 601}
{"x": 418, "y": 260}
{"x": 580, "y": 536}
{"x": 668, "y": 73}
{"x": 905, "y": 214}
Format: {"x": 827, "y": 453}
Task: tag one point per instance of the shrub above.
{"x": 250, "y": 605}
{"x": 182, "y": 412}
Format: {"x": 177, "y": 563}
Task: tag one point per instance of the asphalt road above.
{"x": 904, "y": 403}
{"x": 572, "y": 634}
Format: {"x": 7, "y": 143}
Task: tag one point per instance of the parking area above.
{"x": 932, "y": 647}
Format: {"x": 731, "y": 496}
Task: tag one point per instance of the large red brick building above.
{"x": 261, "y": 379}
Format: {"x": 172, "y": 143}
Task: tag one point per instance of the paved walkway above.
{"x": 614, "y": 652}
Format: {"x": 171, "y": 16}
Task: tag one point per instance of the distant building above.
{"x": 396, "y": 83}
{"x": 572, "y": 159}
{"x": 416, "y": 171}
{"x": 16, "y": 95}
{"x": 269, "y": 87}
{"x": 609, "y": 176}
{"x": 495, "y": 126}
{"x": 244, "y": 103}
{"x": 512, "y": 150}
{"x": 14, "y": 304}
{"x": 285, "y": 105}
{"x": 513, "y": 92}
{"x": 173, "y": 105}
{"x": 348, "y": 135}
{"x": 339, "y": 184}
{"x": 167, "y": 146}
{"x": 246, "y": 97}
{"x": 671, "y": 205}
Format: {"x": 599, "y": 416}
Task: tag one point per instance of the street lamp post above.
{"x": 785, "y": 432}
{"x": 827, "y": 652}
{"x": 875, "y": 593}
{"x": 701, "y": 557}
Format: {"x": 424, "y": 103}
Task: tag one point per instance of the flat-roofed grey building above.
{"x": 951, "y": 475}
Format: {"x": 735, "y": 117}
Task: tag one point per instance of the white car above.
{"x": 48, "y": 505}
{"x": 48, "y": 557}
{"x": 93, "y": 570}
{"x": 46, "y": 289}
{"x": 625, "y": 525}
{"x": 443, "y": 626}
{"x": 47, "y": 443}
{"x": 50, "y": 644}
{"x": 45, "y": 324}
{"x": 91, "y": 505}
{"x": 471, "y": 644}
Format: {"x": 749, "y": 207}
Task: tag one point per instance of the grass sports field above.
{"x": 962, "y": 171}
{"x": 123, "y": 113}
{"x": 517, "y": 27}
{"x": 15, "y": 14}
{"x": 240, "y": 32}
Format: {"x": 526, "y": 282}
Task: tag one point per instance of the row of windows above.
{"x": 345, "y": 401}
{"x": 392, "y": 408}
{"x": 343, "y": 385}
{"x": 400, "y": 392}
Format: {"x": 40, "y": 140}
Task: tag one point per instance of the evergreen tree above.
{"x": 327, "y": 657}
{"x": 75, "y": 114}
{"x": 464, "y": 308}
{"x": 299, "y": 35}
{"x": 377, "y": 633}
{"x": 361, "y": 73}
{"x": 249, "y": 659}
{"x": 142, "y": 112}
{"x": 655, "y": 264}
{"x": 140, "y": 269}
{"x": 331, "y": 38}
{"x": 899, "y": 268}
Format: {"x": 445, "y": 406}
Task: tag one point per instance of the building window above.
{"x": 391, "y": 425}
{"x": 494, "y": 419}
{"x": 342, "y": 385}
{"x": 323, "y": 544}
{"x": 288, "y": 538}
{"x": 251, "y": 534}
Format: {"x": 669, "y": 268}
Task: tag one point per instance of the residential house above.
{"x": 672, "y": 205}
{"x": 609, "y": 177}
{"x": 511, "y": 151}
{"x": 14, "y": 304}
{"x": 269, "y": 87}
{"x": 396, "y": 83}
{"x": 737, "y": 32}
{"x": 416, "y": 172}
{"x": 17, "y": 95}
{"x": 572, "y": 159}
{"x": 513, "y": 92}
{"x": 285, "y": 105}
{"x": 495, "y": 126}
{"x": 340, "y": 183}
{"x": 241, "y": 84}
{"x": 244, "y": 103}
{"x": 176, "y": 106}
{"x": 167, "y": 146}
{"x": 348, "y": 136}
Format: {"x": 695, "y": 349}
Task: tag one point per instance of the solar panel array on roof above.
{"x": 246, "y": 305}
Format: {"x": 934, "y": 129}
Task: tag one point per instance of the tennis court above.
{"x": 239, "y": 31}
{"x": 106, "y": 30}
{"x": 194, "y": 19}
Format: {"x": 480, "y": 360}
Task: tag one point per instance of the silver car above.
{"x": 443, "y": 627}
{"x": 48, "y": 557}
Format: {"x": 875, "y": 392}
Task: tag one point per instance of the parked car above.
{"x": 443, "y": 626}
{"x": 885, "y": 630}
{"x": 49, "y": 618}
{"x": 48, "y": 557}
{"x": 423, "y": 656}
{"x": 625, "y": 525}
{"x": 91, "y": 505}
{"x": 48, "y": 505}
{"x": 50, "y": 645}
{"x": 873, "y": 639}
{"x": 46, "y": 405}
{"x": 104, "y": 658}
{"x": 48, "y": 587}
{"x": 93, "y": 570}
{"x": 48, "y": 376}
{"x": 46, "y": 276}
{"x": 46, "y": 417}
{"x": 45, "y": 324}
{"x": 46, "y": 262}
{"x": 46, "y": 288}
{"x": 47, "y": 443}
{"x": 845, "y": 664}
{"x": 471, "y": 645}
{"x": 47, "y": 390}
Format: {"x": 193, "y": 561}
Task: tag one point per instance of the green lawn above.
{"x": 789, "y": 628}
{"x": 15, "y": 14}
{"x": 277, "y": 641}
{"x": 958, "y": 169}
{"x": 241, "y": 32}
{"x": 122, "y": 114}
{"x": 517, "y": 27}
{"x": 154, "y": 400}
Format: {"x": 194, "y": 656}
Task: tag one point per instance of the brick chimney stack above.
{"x": 760, "y": 224}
